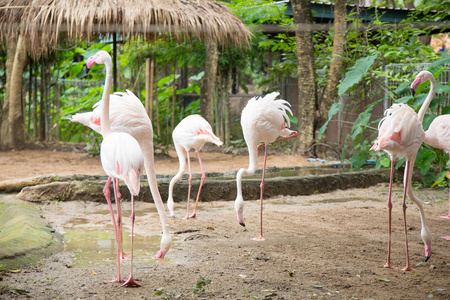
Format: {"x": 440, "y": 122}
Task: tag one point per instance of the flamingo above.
{"x": 121, "y": 158}
{"x": 400, "y": 134}
{"x": 127, "y": 114}
{"x": 191, "y": 133}
{"x": 438, "y": 136}
{"x": 263, "y": 120}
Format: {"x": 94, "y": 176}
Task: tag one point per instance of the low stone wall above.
{"x": 91, "y": 188}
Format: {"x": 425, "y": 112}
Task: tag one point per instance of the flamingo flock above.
{"x": 127, "y": 149}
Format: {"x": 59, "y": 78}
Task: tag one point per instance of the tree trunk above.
{"x": 208, "y": 83}
{"x": 339, "y": 41}
{"x": 15, "y": 115}
{"x": 41, "y": 103}
{"x": 307, "y": 91}
{"x": 149, "y": 68}
{"x": 11, "y": 44}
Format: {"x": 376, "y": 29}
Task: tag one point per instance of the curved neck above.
{"x": 105, "y": 125}
{"x": 427, "y": 101}
{"x": 407, "y": 178}
{"x": 252, "y": 165}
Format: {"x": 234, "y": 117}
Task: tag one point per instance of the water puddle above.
{"x": 285, "y": 172}
{"x": 93, "y": 243}
{"x": 345, "y": 200}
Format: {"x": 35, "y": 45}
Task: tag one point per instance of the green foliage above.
{"x": 355, "y": 73}
{"x": 199, "y": 287}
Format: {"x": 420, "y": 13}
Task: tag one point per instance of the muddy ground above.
{"x": 330, "y": 245}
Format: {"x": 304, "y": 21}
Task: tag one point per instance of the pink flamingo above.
{"x": 191, "y": 133}
{"x": 438, "y": 136}
{"x": 121, "y": 158}
{"x": 127, "y": 114}
{"x": 400, "y": 134}
{"x": 263, "y": 120}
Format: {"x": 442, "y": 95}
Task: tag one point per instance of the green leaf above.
{"x": 384, "y": 279}
{"x": 334, "y": 109}
{"x": 355, "y": 73}
{"x": 438, "y": 63}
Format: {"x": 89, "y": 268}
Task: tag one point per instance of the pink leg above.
{"x": 190, "y": 184}
{"x": 119, "y": 217}
{"x": 260, "y": 238}
{"x": 130, "y": 281}
{"x": 407, "y": 170}
{"x": 388, "y": 263}
{"x": 448, "y": 216}
{"x": 200, "y": 187}
{"x": 108, "y": 199}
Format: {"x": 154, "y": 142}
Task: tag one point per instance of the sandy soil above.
{"x": 320, "y": 246}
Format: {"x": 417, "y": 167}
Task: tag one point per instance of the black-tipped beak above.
{"x": 87, "y": 69}
{"x": 242, "y": 224}
{"x": 427, "y": 258}
{"x": 413, "y": 92}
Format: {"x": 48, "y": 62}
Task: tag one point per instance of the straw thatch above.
{"x": 43, "y": 21}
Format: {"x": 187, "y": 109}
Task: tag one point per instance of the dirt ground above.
{"x": 320, "y": 246}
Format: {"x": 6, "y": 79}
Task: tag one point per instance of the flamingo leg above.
{"x": 406, "y": 181}
{"x": 130, "y": 281}
{"x": 200, "y": 187}
{"x": 261, "y": 238}
{"x": 388, "y": 263}
{"x": 190, "y": 184}
{"x": 117, "y": 195}
{"x": 108, "y": 199}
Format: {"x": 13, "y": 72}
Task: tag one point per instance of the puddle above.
{"x": 92, "y": 240}
{"x": 345, "y": 200}
{"x": 285, "y": 172}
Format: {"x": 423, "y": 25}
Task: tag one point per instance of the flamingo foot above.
{"x": 186, "y": 217}
{"x": 131, "y": 282}
{"x": 446, "y": 217}
{"x": 193, "y": 215}
{"x": 408, "y": 268}
{"x": 388, "y": 265}
{"x": 446, "y": 238}
{"x": 123, "y": 255}
{"x": 117, "y": 280}
{"x": 172, "y": 214}
{"x": 161, "y": 254}
{"x": 259, "y": 239}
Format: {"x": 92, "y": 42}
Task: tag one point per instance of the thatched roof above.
{"x": 43, "y": 21}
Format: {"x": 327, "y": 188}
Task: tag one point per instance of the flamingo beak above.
{"x": 427, "y": 252}
{"x": 240, "y": 217}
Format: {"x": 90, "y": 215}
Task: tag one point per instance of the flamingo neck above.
{"x": 252, "y": 165}
{"x": 105, "y": 123}
{"x": 149, "y": 164}
{"x": 427, "y": 101}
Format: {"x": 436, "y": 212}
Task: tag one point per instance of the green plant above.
{"x": 199, "y": 287}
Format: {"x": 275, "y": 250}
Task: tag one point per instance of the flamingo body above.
{"x": 191, "y": 133}
{"x": 400, "y": 134}
{"x": 263, "y": 120}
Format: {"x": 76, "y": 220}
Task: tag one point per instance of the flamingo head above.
{"x": 100, "y": 58}
{"x": 425, "y": 234}
{"x": 422, "y": 77}
{"x": 166, "y": 242}
{"x": 239, "y": 207}
{"x": 375, "y": 146}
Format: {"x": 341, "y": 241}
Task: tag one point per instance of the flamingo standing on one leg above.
{"x": 121, "y": 158}
{"x": 191, "y": 133}
{"x": 263, "y": 120}
{"x": 400, "y": 134}
{"x": 127, "y": 114}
